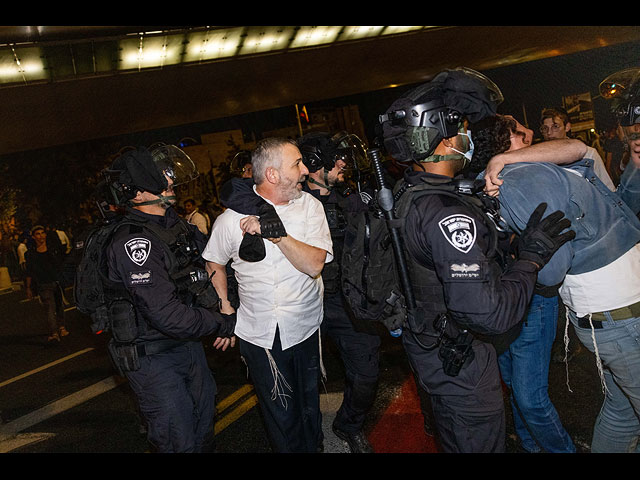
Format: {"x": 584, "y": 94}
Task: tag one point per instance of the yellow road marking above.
{"x": 234, "y": 397}
{"x": 236, "y": 413}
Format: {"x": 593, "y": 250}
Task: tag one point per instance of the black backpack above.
{"x": 93, "y": 292}
{"x": 370, "y": 278}
{"x": 108, "y": 303}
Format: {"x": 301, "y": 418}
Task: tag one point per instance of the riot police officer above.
{"x": 155, "y": 256}
{"x": 328, "y": 157}
{"x": 623, "y": 90}
{"x": 468, "y": 294}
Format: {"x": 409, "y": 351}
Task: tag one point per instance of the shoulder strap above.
{"x": 444, "y": 187}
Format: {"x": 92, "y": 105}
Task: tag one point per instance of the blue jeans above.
{"x": 525, "y": 369}
{"x": 617, "y": 427}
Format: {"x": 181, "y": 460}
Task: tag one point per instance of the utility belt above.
{"x": 126, "y": 357}
{"x": 454, "y": 344}
{"x": 622, "y": 313}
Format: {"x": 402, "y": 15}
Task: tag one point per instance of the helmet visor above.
{"x": 175, "y": 164}
{"x": 619, "y": 83}
{"x": 353, "y": 153}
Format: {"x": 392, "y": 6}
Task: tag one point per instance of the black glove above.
{"x": 227, "y": 324}
{"x": 270, "y": 224}
{"x": 542, "y": 238}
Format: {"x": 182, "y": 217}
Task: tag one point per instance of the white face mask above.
{"x": 469, "y": 153}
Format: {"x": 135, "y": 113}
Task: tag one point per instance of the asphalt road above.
{"x": 65, "y": 398}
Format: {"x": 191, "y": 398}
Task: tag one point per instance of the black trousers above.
{"x": 359, "y": 352}
{"x": 176, "y": 396}
{"x": 286, "y": 384}
{"x": 468, "y": 409}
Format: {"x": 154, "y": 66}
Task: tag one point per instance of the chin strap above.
{"x": 164, "y": 200}
{"x": 446, "y": 158}
{"x": 326, "y": 181}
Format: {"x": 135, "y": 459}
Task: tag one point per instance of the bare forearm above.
{"x": 304, "y": 257}
{"x": 560, "y": 152}
{"x": 219, "y": 281}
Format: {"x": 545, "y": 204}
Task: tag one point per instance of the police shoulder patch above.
{"x": 140, "y": 278}
{"x": 465, "y": 271}
{"x": 459, "y": 230}
{"x": 138, "y": 250}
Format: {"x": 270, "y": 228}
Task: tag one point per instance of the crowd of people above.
{"x": 555, "y": 227}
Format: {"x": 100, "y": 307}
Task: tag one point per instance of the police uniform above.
{"x": 448, "y": 244}
{"x": 169, "y": 372}
{"x": 358, "y": 349}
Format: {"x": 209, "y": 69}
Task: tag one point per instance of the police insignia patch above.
{"x": 464, "y": 270}
{"x": 138, "y": 250}
{"x": 460, "y": 231}
{"x": 140, "y": 278}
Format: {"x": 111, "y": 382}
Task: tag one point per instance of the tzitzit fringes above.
{"x": 323, "y": 371}
{"x": 279, "y": 382}
{"x": 598, "y": 360}
{"x": 566, "y": 347}
{"x": 246, "y": 366}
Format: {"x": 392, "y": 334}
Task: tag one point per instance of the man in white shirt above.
{"x": 281, "y": 294}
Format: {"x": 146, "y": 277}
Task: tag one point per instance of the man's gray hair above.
{"x": 267, "y": 154}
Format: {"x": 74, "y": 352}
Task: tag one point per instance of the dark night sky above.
{"x": 543, "y": 83}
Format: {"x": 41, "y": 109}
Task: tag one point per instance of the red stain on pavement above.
{"x": 401, "y": 427}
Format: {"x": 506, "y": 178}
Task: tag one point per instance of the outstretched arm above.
{"x": 561, "y": 152}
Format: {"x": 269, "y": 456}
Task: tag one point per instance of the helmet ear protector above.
{"x": 414, "y": 132}
{"x": 319, "y": 150}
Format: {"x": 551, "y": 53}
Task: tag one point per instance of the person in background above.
{"x": 194, "y": 217}
{"x": 555, "y": 125}
{"x": 42, "y": 277}
{"x": 614, "y": 149}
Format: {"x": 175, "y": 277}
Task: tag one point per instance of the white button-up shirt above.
{"x": 272, "y": 291}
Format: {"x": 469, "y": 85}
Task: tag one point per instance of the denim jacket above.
{"x": 605, "y": 222}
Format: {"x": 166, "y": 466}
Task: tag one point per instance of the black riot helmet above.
{"x": 418, "y": 121}
{"x": 148, "y": 170}
{"x": 623, "y": 89}
{"x": 322, "y": 150}
{"x": 318, "y": 151}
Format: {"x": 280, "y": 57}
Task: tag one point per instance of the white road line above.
{"x": 44, "y": 367}
{"x": 10, "y": 437}
{"x": 23, "y": 439}
{"x": 9, "y": 430}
